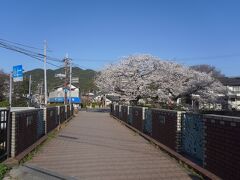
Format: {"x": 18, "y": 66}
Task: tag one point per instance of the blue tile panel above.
{"x": 192, "y": 136}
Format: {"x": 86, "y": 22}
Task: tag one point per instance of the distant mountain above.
{"x": 86, "y": 78}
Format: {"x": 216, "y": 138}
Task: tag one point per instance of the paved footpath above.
{"x": 96, "y": 146}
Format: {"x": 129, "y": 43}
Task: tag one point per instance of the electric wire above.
{"x": 20, "y": 44}
{"x": 29, "y": 53}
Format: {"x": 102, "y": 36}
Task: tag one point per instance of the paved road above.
{"x": 96, "y": 146}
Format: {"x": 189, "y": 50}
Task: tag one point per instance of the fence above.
{"x": 165, "y": 128}
{"x": 211, "y": 141}
{"x": 222, "y": 145}
{"x": 192, "y": 133}
{"x": 147, "y": 129}
{"x": 4, "y": 133}
{"x": 62, "y": 114}
{"x": 52, "y": 118}
{"x": 24, "y": 127}
{"x": 24, "y": 130}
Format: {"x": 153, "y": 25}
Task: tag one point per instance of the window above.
{"x": 236, "y": 88}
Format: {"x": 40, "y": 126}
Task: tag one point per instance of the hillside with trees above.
{"x": 86, "y": 78}
{"x": 21, "y": 89}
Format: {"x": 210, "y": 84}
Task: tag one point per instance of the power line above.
{"x": 26, "y": 50}
{"x": 32, "y": 56}
{"x": 20, "y": 44}
{"x": 29, "y": 53}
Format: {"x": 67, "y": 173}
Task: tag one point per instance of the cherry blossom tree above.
{"x": 146, "y": 76}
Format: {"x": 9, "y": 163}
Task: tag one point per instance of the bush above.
{"x": 55, "y": 104}
{"x": 3, "y": 170}
{"x": 4, "y": 104}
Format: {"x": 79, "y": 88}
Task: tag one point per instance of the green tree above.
{"x": 20, "y": 92}
{"x": 3, "y": 86}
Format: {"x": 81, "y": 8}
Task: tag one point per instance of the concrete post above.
{"x": 65, "y": 112}
{"x": 58, "y": 114}
{"x": 179, "y": 129}
{"x": 45, "y": 119}
{"x": 13, "y": 135}
{"x": 143, "y": 117}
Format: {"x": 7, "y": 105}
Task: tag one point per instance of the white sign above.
{"x": 75, "y": 80}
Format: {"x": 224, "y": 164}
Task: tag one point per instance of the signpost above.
{"x": 17, "y": 73}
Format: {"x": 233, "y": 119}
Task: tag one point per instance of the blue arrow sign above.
{"x": 17, "y": 73}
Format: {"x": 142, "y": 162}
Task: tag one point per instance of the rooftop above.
{"x": 230, "y": 81}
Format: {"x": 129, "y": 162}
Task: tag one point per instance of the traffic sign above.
{"x": 17, "y": 73}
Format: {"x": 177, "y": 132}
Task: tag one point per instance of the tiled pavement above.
{"x": 95, "y": 146}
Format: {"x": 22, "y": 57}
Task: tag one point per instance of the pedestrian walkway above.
{"x": 96, "y": 146}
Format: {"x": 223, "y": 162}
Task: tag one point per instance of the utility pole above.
{"x": 10, "y": 90}
{"x": 65, "y": 83}
{"x": 68, "y": 79}
{"x": 29, "y": 89}
{"x": 70, "y": 83}
{"x": 30, "y": 83}
{"x": 45, "y": 73}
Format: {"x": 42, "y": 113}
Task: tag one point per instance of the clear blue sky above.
{"x": 97, "y": 32}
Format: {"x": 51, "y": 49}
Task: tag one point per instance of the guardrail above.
{"x": 4, "y": 133}
{"x": 52, "y": 118}
{"x": 22, "y": 128}
{"x": 210, "y": 142}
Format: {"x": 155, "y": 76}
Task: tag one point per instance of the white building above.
{"x": 233, "y": 88}
{"x": 58, "y": 95}
{"x": 99, "y": 98}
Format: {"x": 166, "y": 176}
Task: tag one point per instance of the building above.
{"x": 101, "y": 98}
{"x": 58, "y": 95}
{"x": 233, "y": 91}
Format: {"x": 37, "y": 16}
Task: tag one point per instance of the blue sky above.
{"x": 97, "y": 32}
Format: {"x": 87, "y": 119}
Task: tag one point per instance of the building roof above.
{"x": 230, "y": 81}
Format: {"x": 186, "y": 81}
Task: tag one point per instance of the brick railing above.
{"x": 52, "y": 118}
{"x": 211, "y": 142}
{"x": 28, "y": 126}
{"x": 222, "y": 145}
{"x": 4, "y": 134}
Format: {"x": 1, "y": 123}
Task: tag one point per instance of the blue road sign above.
{"x": 66, "y": 90}
{"x": 17, "y": 73}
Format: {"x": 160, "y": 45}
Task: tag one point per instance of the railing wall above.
{"x": 192, "y": 136}
{"x": 62, "y": 114}
{"x": 52, "y": 118}
{"x": 28, "y": 126}
{"x": 4, "y": 133}
{"x": 211, "y": 141}
{"x": 24, "y": 130}
{"x": 222, "y": 146}
{"x": 166, "y": 128}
